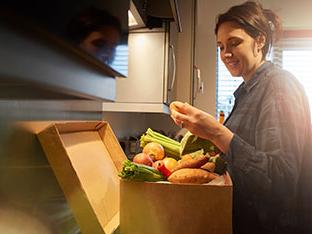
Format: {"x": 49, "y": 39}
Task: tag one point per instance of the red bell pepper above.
{"x": 163, "y": 170}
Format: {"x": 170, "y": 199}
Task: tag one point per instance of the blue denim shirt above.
{"x": 269, "y": 157}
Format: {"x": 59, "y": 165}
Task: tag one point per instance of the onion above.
{"x": 170, "y": 163}
{"x": 154, "y": 150}
{"x": 143, "y": 158}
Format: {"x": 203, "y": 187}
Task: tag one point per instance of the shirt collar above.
{"x": 247, "y": 86}
{"x": 256, "y": 77}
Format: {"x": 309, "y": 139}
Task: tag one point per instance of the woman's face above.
{"x": 240, "y": 53}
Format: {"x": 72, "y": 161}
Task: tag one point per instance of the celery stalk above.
{"x": 189, "y": 144}
{"x": 162, "y": 137}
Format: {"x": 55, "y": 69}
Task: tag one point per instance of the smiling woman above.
{"x": 267, "y": 150}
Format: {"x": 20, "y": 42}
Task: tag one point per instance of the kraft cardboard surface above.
{"x": 158, "y": 208}
{"x": 86, "y": 158}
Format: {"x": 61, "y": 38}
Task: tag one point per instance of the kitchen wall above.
{"x": 134, "y": 124}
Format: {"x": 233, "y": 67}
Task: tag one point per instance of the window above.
{"x": 226, "y": 85}
{"x": 296, "y": 57}
{"x": 292, "y": 53}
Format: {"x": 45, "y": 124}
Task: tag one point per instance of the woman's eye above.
{"x": 234, "y": 43}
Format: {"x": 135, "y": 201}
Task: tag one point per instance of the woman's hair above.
{"x": 255, "y": 20}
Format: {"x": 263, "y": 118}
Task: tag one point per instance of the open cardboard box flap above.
{"x": 86, "y": 158}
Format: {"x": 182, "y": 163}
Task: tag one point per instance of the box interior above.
{"x": 86, "y": 158}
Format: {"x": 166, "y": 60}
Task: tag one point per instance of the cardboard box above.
{"x": 86, "y": 158}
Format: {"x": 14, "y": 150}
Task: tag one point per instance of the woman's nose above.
{"x": 228, "y": 54}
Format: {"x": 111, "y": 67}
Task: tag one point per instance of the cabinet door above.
{"x": 183, "y": 45}
{"x": 146, "y": 71}
{"x": 206, "y": 51}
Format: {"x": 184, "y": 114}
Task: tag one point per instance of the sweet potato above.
{"x": 191, "y": 176}
{"x": 209, "y": 166}
{"x": 189, "y": 162}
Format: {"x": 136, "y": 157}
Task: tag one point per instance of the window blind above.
{"x": 120, "y": 62}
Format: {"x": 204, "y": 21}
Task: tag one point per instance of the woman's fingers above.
{"x": 177, "y": 117}
{"x": 176, "y": 106}
{"x": 178, "y": 113}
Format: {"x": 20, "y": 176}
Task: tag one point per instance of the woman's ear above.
{"x": 260, "y": 41}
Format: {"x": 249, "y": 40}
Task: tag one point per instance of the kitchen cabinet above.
{"x": 205, "y": 56}
{"x": 27, "y": 61}
{"x": 184, "y": 46}
{"x": 160, "y": 67}
{"x": 145, "y": 87}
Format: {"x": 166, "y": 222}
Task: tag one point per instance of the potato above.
{"x": 191, "y": 176}
{"x": 189, "y": 162}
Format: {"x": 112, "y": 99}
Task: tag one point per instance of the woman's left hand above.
{"x": 201, "y": 124}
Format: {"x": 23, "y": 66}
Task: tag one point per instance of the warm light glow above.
{"x": 131, "y": 19}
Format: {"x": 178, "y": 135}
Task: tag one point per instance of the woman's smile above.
{"x": 233, "y": 65}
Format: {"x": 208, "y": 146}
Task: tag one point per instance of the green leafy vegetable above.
{"x": 191, "y": 143}
{"x": 140, "y": 172}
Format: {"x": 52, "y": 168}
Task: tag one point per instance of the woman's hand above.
{"x": 201, "y": 124}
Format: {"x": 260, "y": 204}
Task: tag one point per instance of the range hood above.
{"x": 154, "y": 12}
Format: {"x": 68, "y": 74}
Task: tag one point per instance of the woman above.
{"x": 266, "y": 140}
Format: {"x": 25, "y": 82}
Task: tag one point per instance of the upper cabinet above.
{"x": 184, "y": 46}
{"x": 145, "y": 87}
{"x": 61, "y": 48}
